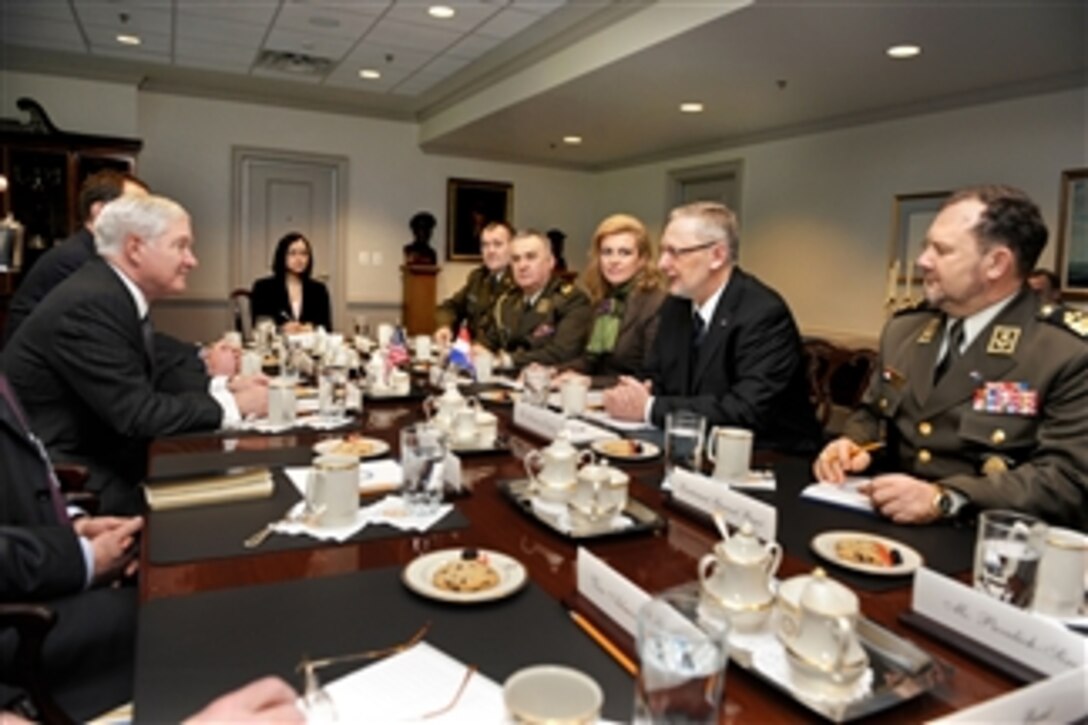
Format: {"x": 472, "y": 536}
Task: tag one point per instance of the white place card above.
{"x": 1060, "y": 698}
{"x": 710, "y": 495}
{"x": 547, "y": 424}
{"x": 1033, "y": 641}
{"x": 611, "y": 592}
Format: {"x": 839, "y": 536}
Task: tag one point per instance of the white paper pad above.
{"x": 599, "y": 416}
{"x": 261, "y": 425}
{"x": 414, "y": 683}
{"x": 754, "y": 481}
{"x": 845, "y": 495}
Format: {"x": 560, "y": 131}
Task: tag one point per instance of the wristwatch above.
{"x": 944, "y": 503}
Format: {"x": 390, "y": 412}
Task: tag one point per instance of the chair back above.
{"x": 241, "y": 313}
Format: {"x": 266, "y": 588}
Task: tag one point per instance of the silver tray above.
{"x": 644, "y": 519}
{"x": 901, "y": 672}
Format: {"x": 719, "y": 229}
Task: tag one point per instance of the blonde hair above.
{"x": 647, "y": 278}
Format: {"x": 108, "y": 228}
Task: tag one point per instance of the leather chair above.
{"x": 241, "y": 311}
{"x": 32, "y": 624}
{"x": 837, "y": 379}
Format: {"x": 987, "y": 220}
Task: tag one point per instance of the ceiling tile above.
{"x": 251, "y": 12}
{"x": 37, "y": 9}
{"x": 190, "y": 48}
{"x": 105, "y": 38}
{"x": 285, "y": 76}
{"x": 114, "y": 50}
{"x": 209, "y": 29}
{"x": 372, "y": 55}
{"x": 41, "y": 33}
{"x": 417, "y": 84}
{"x": 324, "y": 20}
{"x": 322, "y": 46}
{"x": 446, "y": 65}
{"x": 468, "y": 15}
{"x": 473, "y": 46}
{"x": 407, "y": 35}
{"x": 362, "y": 7}
{"x": 539, "y": 7}
{"x": 508, "y": 23}
{"x": 143, "y": 17}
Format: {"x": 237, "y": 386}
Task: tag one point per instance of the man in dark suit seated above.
{"x": 69, "y": 565}
{"x": 82, "y": 363}
{"x": 727, "y": 346}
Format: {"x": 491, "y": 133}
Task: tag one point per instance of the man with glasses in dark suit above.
{"x": 727, "y": 346}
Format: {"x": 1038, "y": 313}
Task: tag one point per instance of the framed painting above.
{"x": 1072, "y": 257}
{"x": 471, "y": 206}
{"x": 911, "y": 216}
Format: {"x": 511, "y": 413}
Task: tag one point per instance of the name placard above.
{"x": 611, "y": 592}
{"x": 1031, "y": 640}
{"x": 709, "y": 495}
{"x": 547, "y": 424}
{"x": 1056, "y": 699}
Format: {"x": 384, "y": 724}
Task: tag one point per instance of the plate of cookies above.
{"x": 625, "y": 449}
{"x": 465, "y": 575}
{"x": 867, "y": 553}
{"x": 352, "y": 445}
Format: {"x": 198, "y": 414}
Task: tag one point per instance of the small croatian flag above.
{"x": 461, "y": 352}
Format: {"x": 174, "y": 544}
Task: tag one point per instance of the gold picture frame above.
{"x": 471, "y": 205}
{"x": 1072, "y": 256}
{"x": 911, "y": 216}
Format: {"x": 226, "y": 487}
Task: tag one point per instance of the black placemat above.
{"x": 174, "y": 465}
{"x": 192, "y": 649}
{"x": 217, "y": 531}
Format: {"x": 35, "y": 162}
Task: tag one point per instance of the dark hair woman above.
{"x": 290, "y": 297}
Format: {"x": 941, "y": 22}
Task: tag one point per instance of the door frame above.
{"x": 707, "y": 172}
{"x": 244, "y": 158}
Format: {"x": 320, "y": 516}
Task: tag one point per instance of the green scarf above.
{"x": 606, "y": 324}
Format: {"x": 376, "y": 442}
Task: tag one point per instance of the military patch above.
{"x": 1076, "y": 321}
{"x": 1003, "y": 340}
{"x": 929, "y": 331}
{"x": 543, "y": 306}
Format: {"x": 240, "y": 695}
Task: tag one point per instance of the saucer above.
{"x": 419, "y": 576}
{"x": 625, "y": 449}
{"x": 359, "y": 446}
{"x": 829, "y": 544}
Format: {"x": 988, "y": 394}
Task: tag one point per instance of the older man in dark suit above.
{"x": 727, "y": 346}
{"x": 48, "y": 558}
{"x": 82, "y": 363}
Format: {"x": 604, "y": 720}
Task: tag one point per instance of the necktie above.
{"x": 52, "y": 484}
{"x": 953, "y": 353}
{"x": 698, "y": 330}
{"x": 148, "y": 334}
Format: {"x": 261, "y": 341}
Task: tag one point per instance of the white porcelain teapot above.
{"x": 441, "y": 411}
{"x": 736, "y": 576}
{"x": 558, "y": 468}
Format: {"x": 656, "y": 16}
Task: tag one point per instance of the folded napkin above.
{"x": 315, "y": 422}
{"x": 391, "y": 510}
{"x": 560, "y": 514}
{"x": 390, "y": 691}
{"x": 599, "y": 416}
{"x": 845, "y": 495}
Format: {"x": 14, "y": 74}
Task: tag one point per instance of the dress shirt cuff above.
{"x": 218, "y": 384}
{"x": 959, "y": 500}
{"x": 648, "y": 411}
{"x": 232, "y": 417}
{"x": 88, "y": 561}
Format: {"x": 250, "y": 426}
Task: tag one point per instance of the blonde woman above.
{"x": 625, "y": 289}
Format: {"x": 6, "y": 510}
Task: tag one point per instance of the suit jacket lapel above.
{"x": 924, "y": 358}
{"x": 718, "y": 330}
{"x": 978, "y": 364}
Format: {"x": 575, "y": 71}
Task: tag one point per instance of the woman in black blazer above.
{"x": 290, "y": 297}
{"x": 626, "y": 290}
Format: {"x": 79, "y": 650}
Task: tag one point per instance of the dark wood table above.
{"x": 653, "y": 561}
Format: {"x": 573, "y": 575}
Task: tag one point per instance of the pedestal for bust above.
{"x": 420, "y": 297}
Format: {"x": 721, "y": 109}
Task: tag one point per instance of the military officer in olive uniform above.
{"x": 474, "y": 304}
{"x": 981, "y": 395}
{"x": 545, "y": 320}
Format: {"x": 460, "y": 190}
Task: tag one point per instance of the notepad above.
{"x": 237, "y": 484}
{"x": 845, "y": 495}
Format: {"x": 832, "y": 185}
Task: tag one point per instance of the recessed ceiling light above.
{"x": 370, "y": 74}
{"x": 441, "y": 11}
{"x": 903, "y": 51}
{"x": 572, "y": 140}
{"x": 125, "y": 39}
{"x": 691, "y": 107}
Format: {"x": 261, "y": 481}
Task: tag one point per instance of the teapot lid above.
{"x": 744, "y": 546}
{"x": 562, "y": 445}
{"x": 825, "y": 595}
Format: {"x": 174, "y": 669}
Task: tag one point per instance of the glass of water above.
{"x": 685, "y": 434}
{"x": 538, "y": 384}
{"x": 1007, "y": 553}
{"x": 682, "y": 660}
{"x": 422, "y": 455}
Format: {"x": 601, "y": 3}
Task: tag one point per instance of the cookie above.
{"x": 867, "y": 552}
{"x": 466, "y": 575}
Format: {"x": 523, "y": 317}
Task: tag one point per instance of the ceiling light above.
{"x": 691, "y": 107}
{"x": 124, "y": 39}
{"x": 572, "y": 140}
{"x": 370, "y": 74}
{"x": 443, "y": 12}
{"x": 903, "y": 51}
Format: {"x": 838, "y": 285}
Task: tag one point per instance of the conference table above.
{"x": 215, "y": 615}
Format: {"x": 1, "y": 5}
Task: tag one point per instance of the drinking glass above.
{"x": 682, "y": 656}
{"x": 422, "y": 454}
{"x": 330, "y": 390}
{"x": 538, "y": 383}
{"x": 685, "y": 433}
{"x": 1007, "y": 553}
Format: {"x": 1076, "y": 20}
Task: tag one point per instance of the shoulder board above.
{"x": 922, "y": 306}
{"x": 566, "y": 289}
{"x": 1075, "y": 321}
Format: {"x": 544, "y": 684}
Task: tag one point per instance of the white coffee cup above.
{"x": 483, "y": 363}
{"x": 1059, "y": 585}
{"x": 385, "y": 334}
{"x": 573, "y": 393}
{"x": 487, "y": 428}
{"x": 251, "y": 363}
{"x": 400, "y": 382}
{"x": 281, "y": 402}
{"x": 552, "y": 694}
{"x": 423, "y": 348}
{"x": 730, "y": 450}
{"x": 463, "y": 427}
{"x": 332, "y": 490}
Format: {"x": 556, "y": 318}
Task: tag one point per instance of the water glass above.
{"x": 683, "y": 657}
{"x": 330, "y": 391}
{"x": 1007, "y": 553}
{"x": 422, "y": 454}
{"x": 538, "y": 385}
{"x": 685, "y": 433}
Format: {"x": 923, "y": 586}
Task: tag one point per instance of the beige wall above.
{"x": 816, "y": 209}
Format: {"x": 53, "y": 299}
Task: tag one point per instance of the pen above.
{"x": 870, "y": 447}
{"x": 604, "y": 642}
